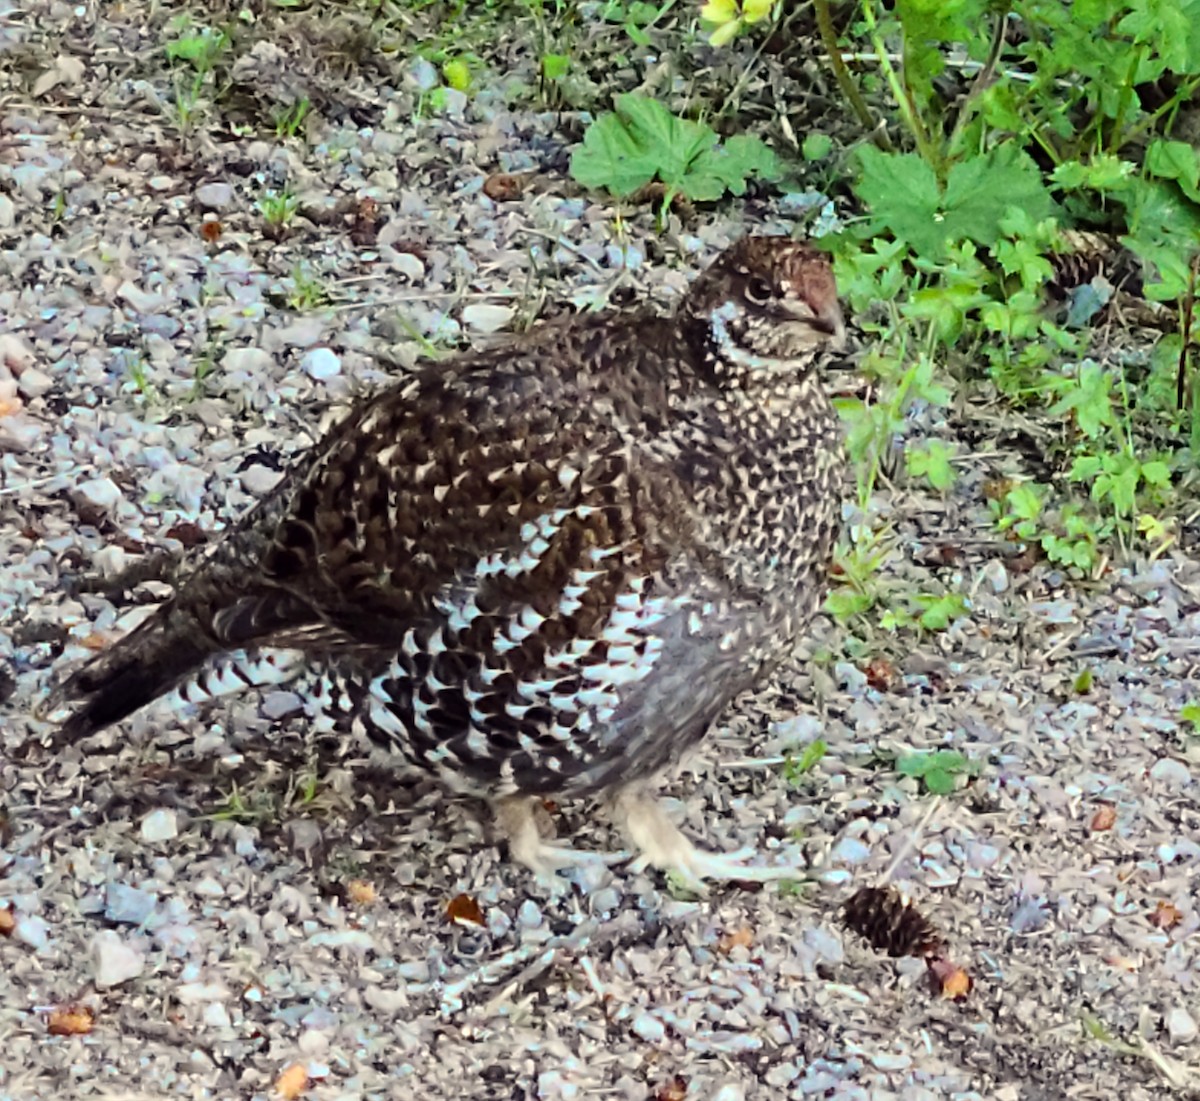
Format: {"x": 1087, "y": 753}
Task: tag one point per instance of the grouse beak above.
{"x": 832, "y": 324}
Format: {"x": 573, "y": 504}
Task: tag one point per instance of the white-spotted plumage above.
{"x": 543, "y": 569}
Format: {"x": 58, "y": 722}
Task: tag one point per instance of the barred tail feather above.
{"x": 149, "y": 661}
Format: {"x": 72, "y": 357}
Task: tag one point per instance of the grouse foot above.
{"x": 662, "y": 845}
{"x": 517, "y": 821}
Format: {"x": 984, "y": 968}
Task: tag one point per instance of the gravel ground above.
{"x": 234, "y": 910}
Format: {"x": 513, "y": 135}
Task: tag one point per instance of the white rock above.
{"x": 8, "y": 212}
{"x": 15, "y": 354}
{"x": 18, "y": 433}
{"x": 1181, "y": 1026}
{"x": 34, "y": 383}
{"x": 160, "y": 825}
{"x": 1170, "y": 773}
{"x": 484, "y": 318}
{"x": 258, "y": 479}
{"x": 191, "y": 993}
{"x": 321, "y": 364}
{"x": 101, "y": 493}
{"x": 996, "y": 575}
{"x": 141, "y": 301}
{"x": 114, "y": 961}
{"x": 405, "y": 263}
{"x": 32, "y": 930}
{"x": 216, "y": 1015}
{"x": 214, "y": 196}
{"x": 251, "y": 360}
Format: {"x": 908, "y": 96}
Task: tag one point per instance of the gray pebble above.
{"x": 113, "y": 961}
{"x": 321, "y": 364}
{"x": 128, "y": 905}
{"x": 159, "y": 825}
{"x": 214, "y": 196}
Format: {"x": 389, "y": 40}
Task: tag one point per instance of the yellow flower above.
{"x": 729, "y": 18}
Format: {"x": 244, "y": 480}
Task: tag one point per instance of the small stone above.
{"x": 34, "y": 383}
{"x": 996, "y": 575}
{"x": 8, "y": 212}
{"x": 128, "y": 905}
{"x": 321, "y": 364}
{"x": 216, "y": 1015}
{"x": 650, "y": 1029}
{"x": 160, "y": 825}
{"x": 251, "y": 361}
{"x": 113, "y": 961}
{"x": 32, "y": 930}
{"x": 424, "y": 74}
{"x": 1170, "y": 773}
{"x": 1181, "y": 1026}
{"x": 100, "y": 493}
{"x": 487, "y": 319}
{"x": 214, "y": 196}
{"x": 259, "y": 479}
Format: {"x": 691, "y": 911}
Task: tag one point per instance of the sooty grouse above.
{"x": 542, "y": 569}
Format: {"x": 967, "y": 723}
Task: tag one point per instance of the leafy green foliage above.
{"x": 642, "y": 141}
{"x": 905, "y": 197}
{"x": 797, "y": 766}
{"x": 935, "y": 769}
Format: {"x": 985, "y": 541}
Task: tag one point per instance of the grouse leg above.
{"x": 517, "y": 821}
{"x": 662, "y": 845}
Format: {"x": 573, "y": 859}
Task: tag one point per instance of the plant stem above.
{"x": 982, "y": 79}
{"x": 904, "y": 103}
{"x": 845, "y": 81}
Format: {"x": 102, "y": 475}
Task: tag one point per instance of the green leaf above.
{"x": 643, "y": 140}
{"x": 913, "y": 764}
{"x": 555, "y": 66}
{"x": 845, "y": 604}
{"x": 817, "y": 146}
{"x": 1178, "y": 161}
{"x": 938, "y": 782}
{"x": 612, "y": 157}
{"x": 902, "y": 192}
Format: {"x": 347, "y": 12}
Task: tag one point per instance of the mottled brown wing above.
{"x": 491, "y": 482}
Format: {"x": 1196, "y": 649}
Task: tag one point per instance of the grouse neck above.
{"x": 731, "y": 364}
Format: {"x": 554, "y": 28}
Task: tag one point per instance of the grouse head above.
{"x": 764, "y": 308}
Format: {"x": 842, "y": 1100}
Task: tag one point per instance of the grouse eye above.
{"x": 759, "y": 290}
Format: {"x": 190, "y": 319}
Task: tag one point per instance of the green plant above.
{"x": 797, "y": 766}
{"x": 307, "y": 292}
{"x": 278, "y": 208}
{"x": 289, "y": 120}
{"x": 1190, "y": 713}
{"x": 642, "y": 141}
{"x": 194, "y": 56}
{"x": 936, "y": 770}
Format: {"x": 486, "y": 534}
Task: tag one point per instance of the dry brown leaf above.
{"x": 674, "y": 1089}
{"x": 465, "y": 910}
{"x": 94, "y": 641}
{"x": 949, "y": 980}
{"x": 292, "y": 1082}
{"x": 881, "y": 674}
{"x": 1165, "y": 915}
{"x": 8, "y": 406}
{"x": 361, "y": 892}
{"x": 211, "y": 231}
{"x": 503, "y": 187}
{"x": 1121, "y": 963}
{"x": 71, "y": 1020}
{"x": 739, "y": 938}
{"x": 1104, "y": 818}
{"x": 8, "y": 922}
